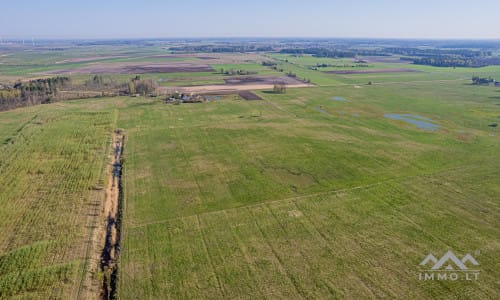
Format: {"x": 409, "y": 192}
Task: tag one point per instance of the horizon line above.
{"x": 55, "y": 38}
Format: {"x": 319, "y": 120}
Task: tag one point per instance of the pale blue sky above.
{"x": 250, "y": 18}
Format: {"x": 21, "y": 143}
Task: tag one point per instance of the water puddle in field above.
{"x": 340, "y": 99}
{"x": 419, "y": 121}
{"x": 321, "y": 110}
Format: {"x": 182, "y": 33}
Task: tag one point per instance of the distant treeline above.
{"x": 454, "y": 61}
{"x": 446, "y": 57}
{"x": 222, "y": 49}
{"x": 414, "y": 52}
{"x": 430, "y": 57}
{"x": 441, "y": 61}
{"x": 334, "y": 53}
{"x": 437, "y": 52}
{"x": 319, "y": 52}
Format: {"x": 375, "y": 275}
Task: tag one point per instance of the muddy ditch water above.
{"x": 113, "y": 210}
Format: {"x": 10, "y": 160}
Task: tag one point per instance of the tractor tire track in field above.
{"x": 113, "y": 206}
{"x": 220, "y": 287}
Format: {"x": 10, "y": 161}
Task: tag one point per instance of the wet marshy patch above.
{"x": 321, "y": 110}
{"x": 419, "y": 121}
{"x": 339, "y": 99}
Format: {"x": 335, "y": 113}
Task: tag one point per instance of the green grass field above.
{"x": 295, "y": 196}
{"x": 276, "y": 199}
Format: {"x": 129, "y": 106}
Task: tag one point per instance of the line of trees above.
{"x": 442, "y": 61}
{"x": 33, "y": 92}
{"x": 454, "y": 61}
{"x": 237, "y": 72}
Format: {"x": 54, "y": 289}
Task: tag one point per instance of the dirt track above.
{"x": 227, "y": 89}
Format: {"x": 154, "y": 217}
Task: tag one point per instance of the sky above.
{"x": 428, "y": 19}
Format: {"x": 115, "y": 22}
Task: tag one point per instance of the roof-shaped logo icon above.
{"x": 449, "y": 261}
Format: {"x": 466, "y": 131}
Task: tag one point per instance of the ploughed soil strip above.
{"x": 247, "y": 95}
{"x": 374, "y": 71}
{"x": 235, "y": 85}
{"x": 226, "y": 89}
{"x": 135, "y": 68}
{"x": 113, "y": 210}
{"x": 262, "y": 80}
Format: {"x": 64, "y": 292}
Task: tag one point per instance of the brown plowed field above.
{"x": 136, "y": 68}
{"x": 247, "y": 95}
{"x": 262, "y": 80}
